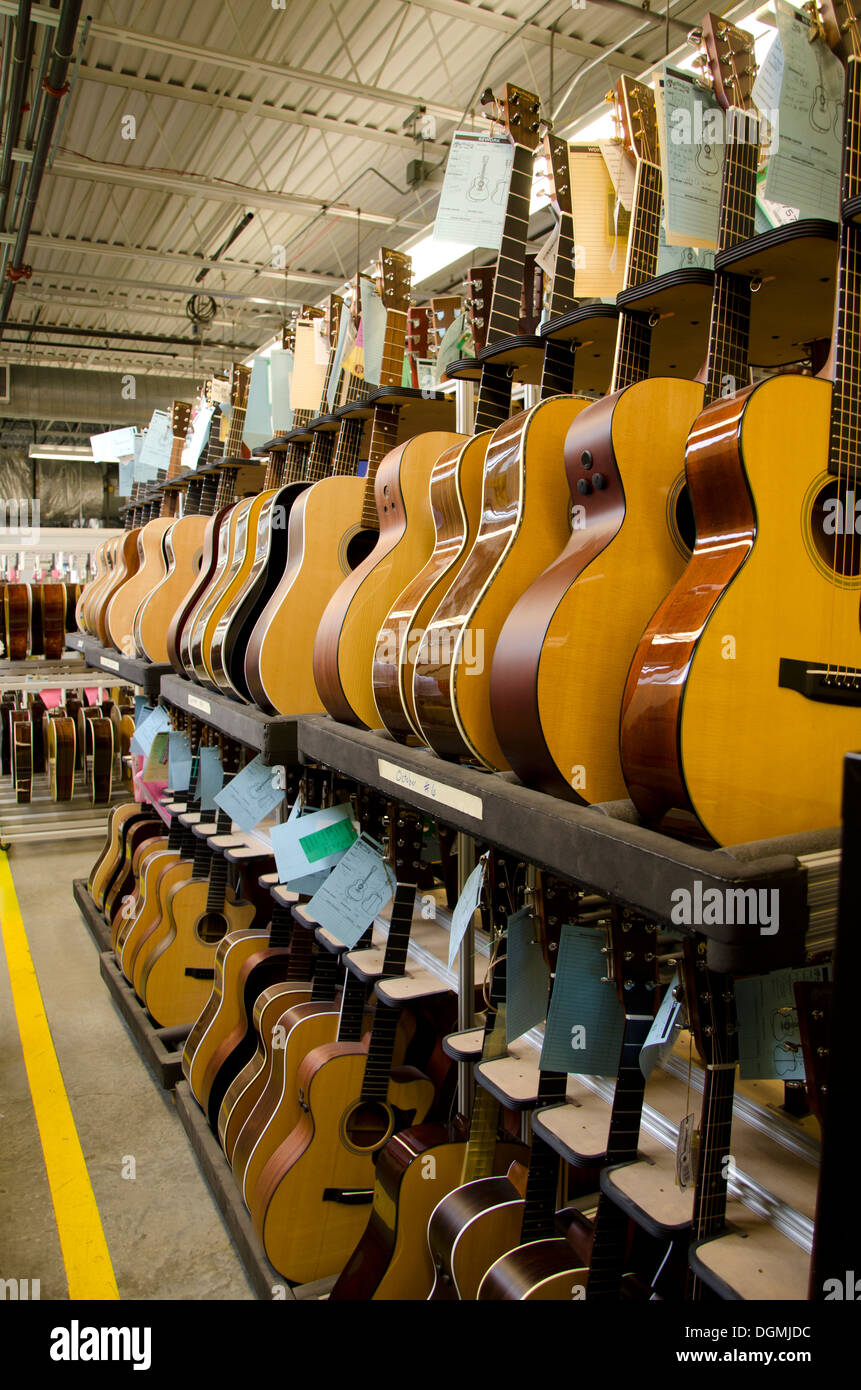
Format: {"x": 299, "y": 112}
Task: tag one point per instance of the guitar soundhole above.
{"x": 836, "y": 527}
{"x": 685, "y": 524}
{"x": 211, "y": 928}
{"x": 367, "y": 1125}
{"x": 359, "y": 547}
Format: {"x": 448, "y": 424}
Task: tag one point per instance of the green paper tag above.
{"x": 330, "y": 840}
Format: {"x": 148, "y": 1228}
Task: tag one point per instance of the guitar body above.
{"x": 121, "y": 610}
{"x": 231, "y": 552}
{"x": 88, "y": 602}
{"x": 325, "y": 542}
{"x": 706, "y": 724}
{"x": 247, "y": 1086}
{"x": 22, "y": 730}
{"x": 123, "y": 923}
{"x": 156, "y": 924}
{"x": 546, "y": 1271}
{"x": 455, "y": 498}
{"x": 183, "y": 544}
{"x": 567, "y": 642}
{"x": 53, "y": 604}
{"x": 61, "y": 757}
{"x": 416, "y": 1169}
{"x": 137, "y": 837}
{"x": 524, "y": 527}
{"x": 347, "y": 636}
{"x": 102, "y": 769}
{"x": 206, "y": 1034}
{"x": 126, "y": 564}
{"x": 176, "y": 976}
{"x": 17, "y": 600}
{"x": 112, "y": 850}
{"x": 182, "y": 615}
{"x": 265, "y": 562}
{"x": 468, "y": 1230}
{"x": 307, "y": 1230}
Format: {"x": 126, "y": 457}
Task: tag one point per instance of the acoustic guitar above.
{"x": 395, "y": 503}
{"x": 757, "y": 649}
{"x": 457, "y": 481}
{"x": 61, "y": 758}
{"x": 22, "y": 753}
{"x": 313, "y": 1192}
{"x": 125, "y": 563}
{"x": 567, "y": 642}
{"x": 17, "y": 601}
{"x": 110, "y": 855}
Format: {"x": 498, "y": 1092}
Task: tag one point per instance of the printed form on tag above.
{"x": 210, "y": 777}
{"x": 355, "y": 892}
{"x": 472, "y": 204}
{"x": 155, "y": 723}
{"x": 465, "y": 907}
{"x": 251, "y": 795}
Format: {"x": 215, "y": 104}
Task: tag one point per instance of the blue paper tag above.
{"x": 156, "y": 723}
{"x": 664, "y": 1031}
{"x": 251, "y": 794}
{"x": 309, "y": 843}
{"x": 526, "y": 979}
{"x": 465, "y": 907}
{"x": 141, "y": 708}
{"x": 210, "y": 777}
{"x": 769, "y": 1038}
{"x": 585, "y": 1022}
{"x": 178, "y": 761}
{"x": 356, "y": 890}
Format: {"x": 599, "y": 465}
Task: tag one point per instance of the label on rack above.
{"x": 472, "y": 203}
{"x": 465, "y": 908}
{"x": 251, "y": 795}
{"x": 109, "y": 663}
{"x": 526, "y": 980}
{"x": 434, "y": 791}
{"x": 203, "y": 705}
{"x": 355, "y": 892}
{"x": 585, "y": 1022}
{"x": 312, "y": 842}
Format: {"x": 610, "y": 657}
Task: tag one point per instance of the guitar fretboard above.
{"x": 634, "y": 337}
{"x": 381, "y": 1047}
{"x": 844, "y": 451}
{"x": 729, "y": 328}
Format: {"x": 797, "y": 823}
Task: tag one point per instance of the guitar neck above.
{"x": 557, "y": 372}
{"x": 217, "y": 884}
{"x": 384, "y": 437}
{"x": 634, "y": 337}
{"x": 845, "y": 431}
{"x": 378, "y": 1066}
{"x": 729, "y": 328}
{"x": 346, "y": 456}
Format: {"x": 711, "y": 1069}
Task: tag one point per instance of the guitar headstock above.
{"x": 637, "y": 115}
{"x": 332, "y": 316}
{"x": 709, "y": 1000}
{"x": 240, "y": 380}
{"x": 480, "y": 293}
{"x": 731, "y": 62}
{"x": 288, "y": 334}
{"x": 632, "y": 960}
{"x": 840, "y": 24}
{"x": 444, "y": 311}
{"x": 180, "y": 418}
{"x": 518, "y": 111}
{"x": 419, "y": 318}
{"x": 558, "y": 173}
{"x": 404, "y": 841}
{"x": 394, "y": 274}
{"x": 813, "y": 1004}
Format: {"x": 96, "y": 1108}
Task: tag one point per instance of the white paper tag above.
{"x": 472, "y": 204}
{"x": 203, "y": 705}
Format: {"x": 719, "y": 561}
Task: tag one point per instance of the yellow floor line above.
{"x": 89, "y": 1271}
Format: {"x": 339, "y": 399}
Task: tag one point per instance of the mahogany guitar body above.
{"x": 455, "y": 498}
{"x": 206, "y": 1033}
{"x": 712, "y": 710}
{"x": 325, "y": 542}
{"x": 183, "y": 545}
{"x": 524, "y": 527}
{"x": 347, "y": 636}
{"x": 316, "y": 1189}
{"x": 567, "y": 643}
{"x": 545, "y": 1271}
{"x": 468, "y": 1230}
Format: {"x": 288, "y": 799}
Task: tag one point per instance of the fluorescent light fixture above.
{"x": 59, "y": 451}
{"x": 430, "y": 256}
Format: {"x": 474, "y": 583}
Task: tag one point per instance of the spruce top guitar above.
{"x": 756, "y": 651}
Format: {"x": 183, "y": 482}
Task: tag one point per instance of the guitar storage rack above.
{"x": 144, "y": 674}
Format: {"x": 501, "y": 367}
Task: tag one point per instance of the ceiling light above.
{"x": 59, "y": 451}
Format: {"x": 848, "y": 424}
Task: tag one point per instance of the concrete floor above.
{"x": 164, "y": 1234}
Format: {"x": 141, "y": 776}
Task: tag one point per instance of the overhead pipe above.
{"x": 4, "y": 69}
{"x": 21, "y": 56}
{"x": 55, "y": 89}
{"x": 38, "y": 92}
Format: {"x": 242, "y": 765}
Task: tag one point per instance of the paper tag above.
{"x": 664, "y": 1031}
{"x": 220, "y": 391}
{"x": 769, "y": 1038}
{"x": 526, "y": 981}
{"x": 687, "y": 1152}
{"x": 585, "y": 1022}
{"x": 109, "y": 662}
{"x": 465, "y": 907}
{"x": 155, "y": 767}
{"x": 622, "y": 170}
{"x": 156, "y": 722}
{"x": 142, "y": 708}
{"x": 203, "y": 705}
{"x": 178, "y": 761}
{"x": 251, "y": 794}
{"x": 156, "y": 450}
{"x": 692, "y": 150}
{"x": 210, "y": 777}
{"x": 356, "y": 890}
{"x": 472, "y": 203}
{"x": 309, "y": 843}
{"x": 546, "y": 257}
{"x": 280, "y": 374}
{"x": 308, "y": 883}
{"x": 434, "y": 791}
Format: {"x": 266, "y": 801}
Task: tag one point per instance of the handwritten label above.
{"x": 155, "y": 723}
{"x": 203, "y": 705}
{"x": 250, "y": 795}
{"x": 304, "y": 842}
{"x": 356, "y": 890}
{"x": 434, "y": 791}
{"x": 465, "y": 907}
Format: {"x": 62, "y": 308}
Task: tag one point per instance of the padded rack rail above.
{"x": 274, "y": 736}
{"x": 603, "y": 848}
{"x": 144, "y": 674}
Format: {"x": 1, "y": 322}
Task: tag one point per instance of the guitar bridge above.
{"x": 828, "y": 685}
{"x": 349, "y": 1196}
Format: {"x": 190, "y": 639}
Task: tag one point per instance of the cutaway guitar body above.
{"x": 525, "y": 525}
{"x": 177, "y": 975}
{"x": 455, "y": 498}
{"x": 183, "y": 545}
{"x": 196, "y": 590}
{"x": 126, "y": 913}
{"x": 232, "y": 548}
{"x": 206, "y": 1034}
{"x": 567, "y": 643}
{"x": 347, "y": 636}
{"x": 247, "y": 1086}
{"x": 545, "y": 1271}
{"x": 316, "y": 1189}
{"x": 112, "y": 851}
{"x": 468, "y": 1230}
{"x": 126, "y": 565}
{"x": 757, "y": 650}
{"x": 326, "y": 542}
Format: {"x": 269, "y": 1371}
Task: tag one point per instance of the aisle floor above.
{"x": 164, "y": 1235}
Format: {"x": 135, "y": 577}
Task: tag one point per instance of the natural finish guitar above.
{"x": 757, "y": 649}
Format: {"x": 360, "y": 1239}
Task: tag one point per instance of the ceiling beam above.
{"x": 254, "y": 107}
{"x": 92, "y": 305}
{"x": 236, "y": 62}
{"x": 532, "y": 33}
{"x": 195, "y": 263}
{"x": 63, "y": 331}
{"x": 151, "y": 287}
{"x": 194, "y": 186}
